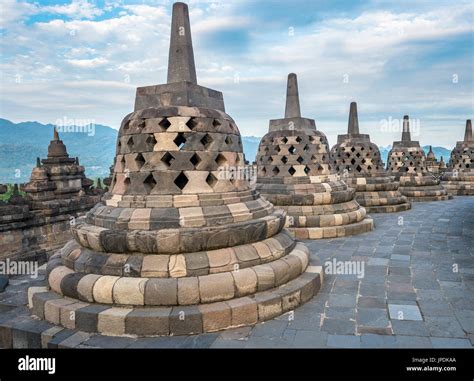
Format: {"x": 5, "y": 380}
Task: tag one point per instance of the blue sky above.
{"x": 83, "y": 60}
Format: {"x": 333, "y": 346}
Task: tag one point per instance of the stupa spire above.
{"x": 353, "y": 125}
{"x": 292, "y": 109}
{"x": 406, "y": 137}
{"x": 55, "y": 134}
{"x": 181, "y": 67}
{"x": 468, "y": 132}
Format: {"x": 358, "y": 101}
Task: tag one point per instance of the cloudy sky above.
{"x": 83, "y": 60}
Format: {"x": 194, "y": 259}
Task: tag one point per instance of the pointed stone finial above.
{"x": 15, "y": 190}
{"x": 181, "y": 57}
{"x": 56, "y": 134}
{"x": 292, "y": 109}
{"x": 77, "y": 160}
{"x": 431, "y": 150}
{"x": 353, "y": 125}
{"x": 468, "y": 132}
{"x": 406, "y": 137}
{"x": 38, "y": 162}
{"x": 99, "y": 183}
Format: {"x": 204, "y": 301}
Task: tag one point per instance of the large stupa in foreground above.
{"x": 178, "y": 247}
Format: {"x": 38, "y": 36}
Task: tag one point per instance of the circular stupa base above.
{"x": 430, "y": 198}
{"x": 256, "y": 294}
{"x": 459, "y": 188}
{"x": 360, "y": 227}
{"x": 388, "y": 208}
{"x": 176, "y": 320}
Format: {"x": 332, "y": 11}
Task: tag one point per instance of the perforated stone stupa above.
{"x": 358, "y": 160}
{"x": 178, "y": 248}
{"x": 407, "y": 161}
{"x": 459, "y": 176}
{"x": 295, "y": 173}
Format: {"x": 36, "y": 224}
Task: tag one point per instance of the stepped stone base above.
{"x": 430, "y": 198}
{"x": 388, "y": 208}
{"x": 462, "y": 185}
{"x": 378, "y": 193}
{"x": 360, "y": 227}
{"x": 174, "y": 320}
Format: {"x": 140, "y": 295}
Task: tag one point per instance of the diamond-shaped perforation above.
{"x": 140, "y": 160}
{"x": 299, "y": 139}
{"x": 167, "y": 159}
{"x": 221, "y": 160}
{"x": 216, "y": 123}
{"x": 307, "y": 170}
{"x": 191, "y": 123}
{"x": 164, "y": 123}
{"x": 181, "y": 180}
{"x": 284, "y": 159}
{"x": 291, "y": 171}
{"x": 300, "y": 159}
{"x": 151, "y": 141}
{"x": 284, "y": 140}
{"x": 211, "y": 180}
{"x": 228, "y": 140}
{"x": 180, "y": 140}
{"x": 276, "y": 171}
{"x": 292, "y": 150}
{"x": 130, "y": 143}
{"x": 195, "y": 159}
{"x": 149, "y": 183}
{"x": 207, "y": 140}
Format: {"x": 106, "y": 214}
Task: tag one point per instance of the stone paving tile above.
{"x": 310, "y": 339}
{"x": 407, "y": 327}
{"x": 444, "y": 327}
{"x": 372, "y": 317}
{"x": 347, "y": 313}
{"x": 443, "y": 342}
{"x": 269, "y": 328}
{"x": 404, "y": 312}
{"x": 377, "y": 341}
{"x": 413, "y": 342}
{"x": 308, "y": 322}
{"x": 342, "y": 300}
{"x": 378, "y": 261}
{"x": 338, "y": 326}
{"x": 343, "y": 341}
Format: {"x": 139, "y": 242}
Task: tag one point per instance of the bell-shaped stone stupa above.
{"x": 358, "y": 161}
{"x": 295, "y": 173}
{"x": 180, "y": 247}
{"x": 407, "y": 161}
{"x": 459, "y": 176}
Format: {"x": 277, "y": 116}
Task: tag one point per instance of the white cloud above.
{"x": 88, "y": 63}
{"x": 77, "y": 9}
{"x": 12, "y": 12}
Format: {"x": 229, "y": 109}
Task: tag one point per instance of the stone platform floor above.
{"x": 417, "y": 292}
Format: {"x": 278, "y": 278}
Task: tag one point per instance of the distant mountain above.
{"x": 22, "y": 143}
